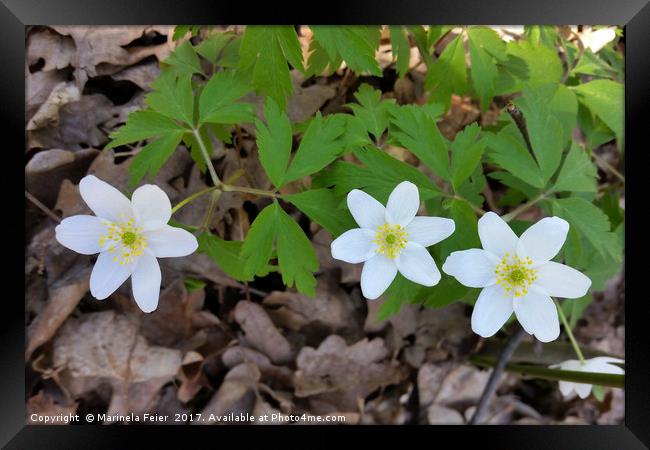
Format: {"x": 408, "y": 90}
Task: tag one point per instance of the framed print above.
{"x": 373, "y": 216}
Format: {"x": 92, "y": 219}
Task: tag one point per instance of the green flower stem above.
{"x": 247, "y": 190}
{"x": 517, "y": 211}
{"x": 208, "y": 216}
{"x": 569, "y": 333}
{"x": 192, "y": 198}
{"x": 206, "y": 157}
{"x": 594, "y": 378}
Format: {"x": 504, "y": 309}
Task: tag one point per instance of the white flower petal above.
{"x": 377, "y": 274}
{"x": 366, "y": 210}
{"x": 496, "y": 235}
{"x": 354, "y": 246}
{"x": 603, "y": 364}
{"x": 146, "y": 282}
{"x": 151, "y": 207}
{"x": 567, "y": 388}
{"x": 543, "y": 240}
{"x": 403, "y": 204}
{"x": 563, "y": 281}
{"x": 104, "y": 200}
{"x": 417, "y": 265}
{"x": 81, "y": 233}
{"x": 427, "y": 231}
{"x": 169, "y": 242}
{"x": 492, "y": 310}
{"x": 583, "y": 390}
{"x": 108, "y": 275}
{"x": 536, "y": 312}
{"x": 473, "y": 267}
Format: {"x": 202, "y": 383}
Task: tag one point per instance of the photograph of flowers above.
{"x": 342, "y": 224}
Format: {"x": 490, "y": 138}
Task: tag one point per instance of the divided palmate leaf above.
{"x": 356, "y": 45}
{"x": 220, "y": 100}
{"x": 265, "y": 52}
{"x": 274, "y": 141}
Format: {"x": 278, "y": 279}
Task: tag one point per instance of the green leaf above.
{"x": 226, "y": 254}
{"x": 143, "y": 125}
{"x": 466, "y": 152}
{"x": 193, "y": 284}
{"x": 296, "y": 256}
{"x": 322, "y": 206}
{"x": 484, "y": 46}
{"x": 578, "y": 173}
{"x": 528, "y": 65}
{"x": 258, "y": 245}
{"x": 591, "y": 222}
{"x": 573, "y": 308}
{"x": 605, "y": 99}
{"x": 356, "y": 45}
{"x": 274, "y": 141}
{"x": 153, "y": 156}
{"x": 448, "y": 73}
{"x": 564, "y": 106}
{"x": 265, "y": 51}
{"x": 598, "y": 392}
{"x": 466, "y": 222}
{"x": 401, "y": 48}
{"x": 184, "y": 59}
{"x": 508, "y": 150}
{"x": 371, "y": 110}
{"x": 214, "y": 46}
{"x": 400, "y": 292}
{"x": 415, "y": 129}
{"x": 444, "y": 293}
{"x": 319, "y": 146}
{"x": 173, "y": 96}
{"x": 544, "y": 129}
{"x": 380, "y": 176}
{"x": 218, "y": 102}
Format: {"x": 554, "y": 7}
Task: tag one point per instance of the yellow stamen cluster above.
{"x": 515, "y": 275}
{"x": 390, "y": 240}
{"x": 124, "y": 239}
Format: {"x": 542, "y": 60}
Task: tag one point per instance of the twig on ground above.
{"x": 48, "y": 212}
{"x": 495, "y": 377}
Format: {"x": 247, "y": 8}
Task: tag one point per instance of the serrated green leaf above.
{"x": 578, "y": 173}
{"x": 448, "y": 73}
{"x": 371, "y": 110}
{"x": 219, "y": 103}
{"x": 265, "y": 51}
{"x": 296, "y": 256}
{"x": 319, "y": 146}
{"x": 564, "y": 105}
{"x": 184, "y": 59}
{"x": 142, "y": 125}
{"x": 173, "y": 96}
{"x": 544, "y": 129}
{"x": 414, "y": 129}
{"x": 466, "y": 152}
{"x": 508, "y": 150}
{"x": 322, "y": 206}
{"x": 465, "y": 219}
{"x": 528, "y": 65}
{"x": 258, "y": 245}
{"x": 605, "y": 99}
{"x": 485, "y": 46}
{"x": 274, "y": 141}
{"x": 591, "y": 222}
{"x": 226, "y": 254}
{"x": 444, "y": 293}
{"x": 153, "y": 156}
{"x": 400, "y": 48}
{"x": 355, "y": 44}
{"x": 213, "y": 48}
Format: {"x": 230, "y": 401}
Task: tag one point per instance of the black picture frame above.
{"x": 634, "y": 15}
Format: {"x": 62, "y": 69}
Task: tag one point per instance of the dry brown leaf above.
{"x": 236, "y": 394}
{"x": 105, "y": 346}
{"x": 352, "y": 372}
{"x": 52, "y": 50}
{"x": 260, "y": 332}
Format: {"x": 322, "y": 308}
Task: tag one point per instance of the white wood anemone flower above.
{"x": 600, "y": 364}
{"x": 128, "y": 235}
{"x": 517, "y": 275}
{"x": 391, "y": 239}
